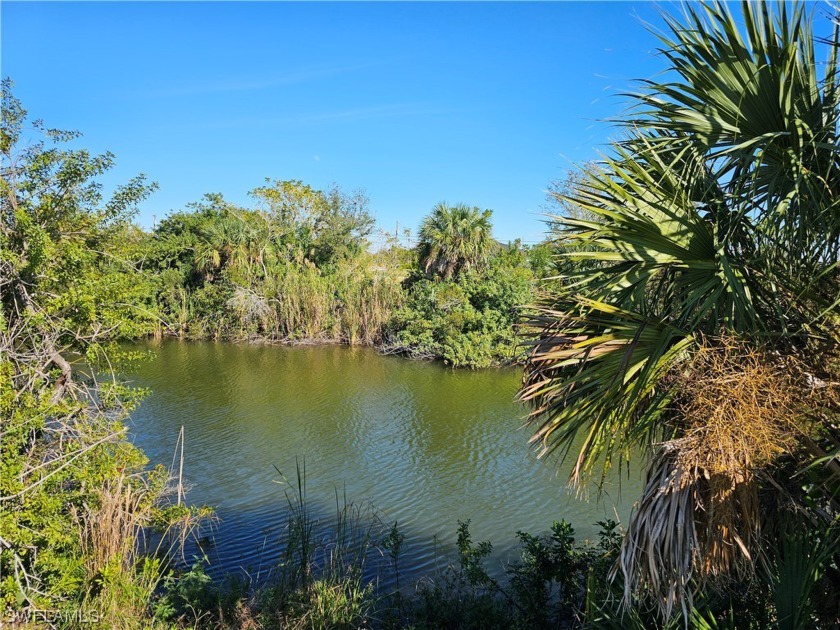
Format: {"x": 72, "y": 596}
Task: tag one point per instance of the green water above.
{"x": 424, "y": 444}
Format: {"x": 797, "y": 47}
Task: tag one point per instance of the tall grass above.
{"x": 350, "y": 303}
{"x": 121, "y": 572}
{"x": 321, "y": 578}
{"x": 332, "y": 561}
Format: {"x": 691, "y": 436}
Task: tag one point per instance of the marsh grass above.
{"x": 350, "y": 303}
{"x": 323, "y": 578}
{"x": 333, "y": 565}
{"x": 122, "y": 572}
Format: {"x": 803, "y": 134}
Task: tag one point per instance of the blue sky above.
{"x": 416, "y": 103}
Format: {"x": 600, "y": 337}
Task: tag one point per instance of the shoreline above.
{"x": 382, "y": 349}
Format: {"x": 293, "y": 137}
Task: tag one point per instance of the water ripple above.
{"x": 426, "y": 445}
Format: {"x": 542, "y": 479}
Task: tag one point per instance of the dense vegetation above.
{"x": 463, "y": 306}
{"x": 696, "y": 329}
{"x": 700, "y": 332}
{"x": 75, "y": 495}
{"x": 297, "y": 268}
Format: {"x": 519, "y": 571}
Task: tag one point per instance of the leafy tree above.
{"x": 700, "y": 331}
{"x": 469, "y": 320}
{"x": 56, "y": 228}
{"x": 453, "y": 239}
{"x": 73, "y": 490}
{"x": 294, "y": 267}
{"x": 313, "y": 225}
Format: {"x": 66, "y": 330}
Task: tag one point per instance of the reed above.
{"x": 320, "y": 580}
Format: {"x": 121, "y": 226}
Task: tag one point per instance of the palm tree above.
{"x": 209, "y": 251}
{"x": 701, "y": 327}
{"x": 453, "y": 239}
{"x": 225, "y": 241}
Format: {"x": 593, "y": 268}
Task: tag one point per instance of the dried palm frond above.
{"x": 251, "y": 307}
{"x": 658, "y": 554}
{"x": 740, "y": 409}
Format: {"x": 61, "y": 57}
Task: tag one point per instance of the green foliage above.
{"x": 453, "y": 239}
{"x": 321, "y": 227}
{"x": 182, "y": 594}
{"x": 469, "y": 320}
{"x": 74, "y": 493}
{"x": 711, "y": 230}
{"x": 543, "y": 260}
{"x": 294, "y": 268}
{"x": 60, "y": 236}
{"x": 547, "y": 588}
{"x": 324, "y": 579}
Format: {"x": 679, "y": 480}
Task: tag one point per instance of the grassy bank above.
{"x": 345, "y": 571}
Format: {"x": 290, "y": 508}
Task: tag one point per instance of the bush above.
{"x": 466, "y": 321}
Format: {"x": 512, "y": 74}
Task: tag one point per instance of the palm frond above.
{"x": 716, "y": 218}
{"x": 595, "y": 370}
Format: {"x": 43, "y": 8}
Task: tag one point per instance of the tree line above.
{"x": 694, "y": 333}
{"x": 297, "y": 267}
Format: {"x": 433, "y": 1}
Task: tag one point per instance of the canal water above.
{"x": 412, "y": 442}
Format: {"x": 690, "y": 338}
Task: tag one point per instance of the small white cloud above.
{"x": 317, "y": 158}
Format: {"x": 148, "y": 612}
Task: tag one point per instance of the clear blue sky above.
{"x": 415, "y": 103}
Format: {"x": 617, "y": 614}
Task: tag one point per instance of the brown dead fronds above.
{"x": 658, "y": 555}
{"x": 737, "y": 410}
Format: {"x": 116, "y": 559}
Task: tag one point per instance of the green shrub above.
{"x": 467, "y": 321}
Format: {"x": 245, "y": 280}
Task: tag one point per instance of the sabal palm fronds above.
{"x": 214, "y": 246}
{"x": 453, "y": 238}
{"x": 234, "y": 241}
{"x": 715, "y": 229}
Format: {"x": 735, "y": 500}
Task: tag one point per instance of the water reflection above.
{"x": 424, "y": 444}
